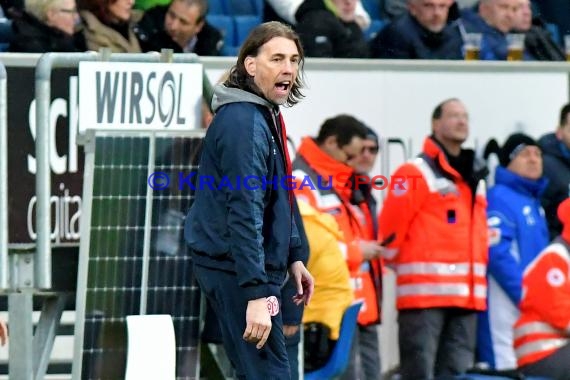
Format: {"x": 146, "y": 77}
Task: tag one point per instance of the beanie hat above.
{"x": 564, "y": 216}
{"x": 513, "y": 146}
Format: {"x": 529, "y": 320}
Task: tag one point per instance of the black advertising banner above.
{"x": 66, "y": 158}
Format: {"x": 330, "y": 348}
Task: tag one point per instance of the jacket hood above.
{"x": 225, "y": 95}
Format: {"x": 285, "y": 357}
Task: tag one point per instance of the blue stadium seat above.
{"x": 244, "y": 25}
{"x": 338, "y": 360}
{"x": 553, "y": 29}
{"x": 5, "y": 33}
{"x": 373, "y": 9}
{"x": 375, "y": 27}
{"x": 225, "y": 24}
{"x": 230, "y": 51}
{"x": 242, "y": 7}
{"x": 217, "y": 7}
{"x": 259, "y": 7}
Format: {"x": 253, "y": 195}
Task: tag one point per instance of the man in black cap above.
{"x": 517, "y": 233}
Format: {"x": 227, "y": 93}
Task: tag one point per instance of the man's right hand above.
{"x": 370, "y": 249}
{"x": 258, "y": 322}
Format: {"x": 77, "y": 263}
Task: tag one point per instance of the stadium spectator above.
{"x": 365, "y": 354}
{"x": 47, "y": 26}
{"x": 426, "y": 31}
{"x": 433, "y": 225}
{"x": 333, "y": 293}
{"x": 284, "y": 11}
{"x": 395, "y": 8}
{"x": 110, "y": 24}
{"x": 494, "y": 20}
{"x": 517, "y": 234}
{"x": 244, "y": 240}
{"x": 539, "y": 44}
{"x": 180, "y": 26}
{"x": 328, "y": 28}
{"x": 542, "y": 342}
{"x": 556, "y": 149}
{"x": 325, "y": 160}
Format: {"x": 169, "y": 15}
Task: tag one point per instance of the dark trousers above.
{"x": 364, "y": 361}
{"x": 436, "y": 342}
{"x": 555, "y": 366}
{"x": 292, "y": 345}
{"x": 223, "y": 292}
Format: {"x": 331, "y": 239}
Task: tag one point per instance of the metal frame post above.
{"x": 3, "y": 180}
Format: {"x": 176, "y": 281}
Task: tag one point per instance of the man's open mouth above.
{"x": 283, "y": 86}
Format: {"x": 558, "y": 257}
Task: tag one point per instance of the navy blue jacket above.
{"x": 494, "y": 43}
{"x": 241, "y": 219}
{"x": 405, "y": 38}
{"x": 556, "y": 163}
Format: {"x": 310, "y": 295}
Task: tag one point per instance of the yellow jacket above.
{"x": 327, "y": 264}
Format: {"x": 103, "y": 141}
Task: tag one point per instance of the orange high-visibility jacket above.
{"x": 436, "y": 234}
{"x": 354, "y": 221}
{"x": 544, "y": 322}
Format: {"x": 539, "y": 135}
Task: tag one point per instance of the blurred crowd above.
{"x": 398, "y": 29}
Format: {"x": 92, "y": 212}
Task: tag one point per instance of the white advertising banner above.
{"x": 148, "y": 96}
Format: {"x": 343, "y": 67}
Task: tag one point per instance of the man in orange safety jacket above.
{"x": 433, "y": 225}
{"x": 323, "y": 179}
{"x": 542, "y": 333}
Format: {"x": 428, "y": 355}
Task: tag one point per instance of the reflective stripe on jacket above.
{"x": 438, "y": 234}
{"x": 544, "y": 323}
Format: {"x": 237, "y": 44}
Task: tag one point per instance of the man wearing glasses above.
{"x": 366, "y": 342}
{"x": 47, "y": 27}
{"x": 325, "y": 162}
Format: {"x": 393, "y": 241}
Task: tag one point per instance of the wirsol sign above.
{"x": 139, "y": 95}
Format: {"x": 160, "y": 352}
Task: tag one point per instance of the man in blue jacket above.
{"x": 517, "y": 233}
{"x": 240, "y": 227}
{"x": 494, "y": 19}
{"x": 429, "y": 30}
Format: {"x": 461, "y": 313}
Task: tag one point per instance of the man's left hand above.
{"x": 303, "y": 281}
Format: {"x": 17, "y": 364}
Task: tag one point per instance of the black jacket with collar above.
{"x": 323, "y": 34}
{"x": 152, "y": 36}
{"x": 405, "y": 38}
